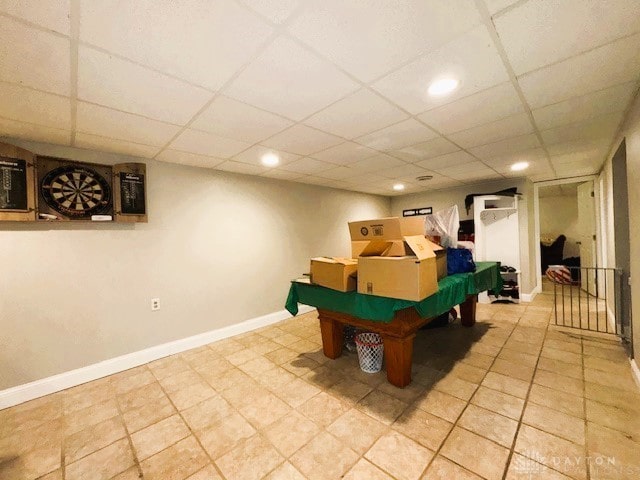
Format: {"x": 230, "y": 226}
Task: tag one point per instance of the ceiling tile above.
{"x": 428, "y": 149}
{"x": 308, "y": 165}
{"x": 120, "y": 84}
{"x": 540, "y": 32}
{"x": 533, "y": 156}
{"x": 407, "y": 170}
{"x": 495, "y": 6}
{"x": 376, "y": 163}
{"x": 302, "y": 140}
{"x": 506, "y": 147}
{"x": 313, "y": 180}
{"x": 103, "y": 144}
{"x": 359, "y": 113}
{"x": 483, "y": 107}
{"x": 254, "y": 155}
{"x": 591, "y": 148}
{"x": 345, "y": 153}
{"x": 200, "y": 41}
{"x": 365, "y": 179}
{"x": 400, "y": 135}
{"x": 603, "y": 127}
{"x": 356, "y": 34}
{"x": 338, "y": 173}
{"x": 229, "y": 118}
{"x": 31, "y": 106}
{"x": 204, "y": 143}
{"x": 449, "y": 160}
{"x": 472, "y": 59}
{"x": 516, "y": 125}
{"x": 582, "y": 108}
{"x": 289, "y": 80}
{"x": 471, "y": 170}
{"x": 612, "y": 64}
{"x": 110, "y": 123}
{"x": 51, "y": 14}
{"x": 35, "y": 133}
{"x": 238, "y": 167}
{"x": 34, "y": 58}
{"x": 277, "y": 11}
{"x": 186, "y": 158}
{"x": 281, "y": 174}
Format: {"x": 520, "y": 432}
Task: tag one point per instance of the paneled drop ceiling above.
{"x": 337, "y": 88}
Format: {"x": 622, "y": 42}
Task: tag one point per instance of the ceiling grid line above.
{"x": 74, "y": 25}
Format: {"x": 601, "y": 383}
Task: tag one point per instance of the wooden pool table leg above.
{"x": 332, "y": 337}
{"x": 468, "y": 311}
{"x": 398, "y": 355}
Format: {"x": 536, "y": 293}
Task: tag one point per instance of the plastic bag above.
{"x": 445, "y": 224}
{"x": 459, "y": 260}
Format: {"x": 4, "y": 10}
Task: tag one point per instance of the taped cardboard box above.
{"x": 387, "y": 270}
{"x": 336, "y": 273}
{"x": 408, "y": 226}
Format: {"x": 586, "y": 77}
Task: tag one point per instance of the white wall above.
{"x": 218, "y": 249}
{"x": 559, "y": 216}
{"x": 440, "y": 199}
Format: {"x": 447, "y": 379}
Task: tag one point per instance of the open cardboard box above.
{"x": 336, "y": 273}
{"x": 394, "y": 263}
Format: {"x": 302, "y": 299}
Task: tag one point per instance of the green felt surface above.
{"x": 453, "y": 290}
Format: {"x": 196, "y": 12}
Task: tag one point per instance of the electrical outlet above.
{"x": 155, "y": 304}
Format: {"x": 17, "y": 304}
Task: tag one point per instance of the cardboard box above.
{"x": 394, "y": 264}
{"x": 334, "y": 272}
{"x": 441, "y": 259}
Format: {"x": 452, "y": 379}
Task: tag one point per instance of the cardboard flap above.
{"x": 420, "y": 246}
{"x": 379, "y": 229}
{"x": 434, "y": 246}
{"x": 375, "y": 248}
{"x": 340, "y": 260}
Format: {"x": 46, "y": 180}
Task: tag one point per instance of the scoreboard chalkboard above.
{"x": 13, "y": 184}
{"x": 132, "y": 195}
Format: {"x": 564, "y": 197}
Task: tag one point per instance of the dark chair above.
{"x": 552, "y": 254}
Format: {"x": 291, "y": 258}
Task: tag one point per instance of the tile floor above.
{"x": 511, "y": 398}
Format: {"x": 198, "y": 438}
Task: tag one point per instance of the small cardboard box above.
{"x": 334, "y": 272}
{"x": 394, "y": 264}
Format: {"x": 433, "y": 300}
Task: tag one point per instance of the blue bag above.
{"x": 459, "y": 260}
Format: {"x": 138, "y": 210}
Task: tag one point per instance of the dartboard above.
{"x": 76, "y": 191}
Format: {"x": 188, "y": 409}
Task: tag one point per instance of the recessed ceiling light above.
{"x": 516, "y": 167}
{"x": 398, "y": 187}
{"x": 442, "y": 86}
{"x": 270, "y": 159}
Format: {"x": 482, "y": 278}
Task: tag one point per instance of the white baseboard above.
{"x": 528, "y": 297}
{"x": 39, "y": 388}
{"x": 635, "y": 371}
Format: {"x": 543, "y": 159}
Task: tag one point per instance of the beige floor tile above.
{"x": 287, "y": 339}
{"x": 241, "y": 356}
{"x": 423, "y": 427}
{"x": 559, "y": 382}
{"x": 30, "y": 465}
{"x": 229, "y": 379}
{"x": 357, "y": 430}
{"x": 324, "y": 458}
{"x": 350, "y": 391}
{"x": 555, "y": 422}
{"x": 132, "y": 473}
{"x": 45, "y": 436}
{"x": 55, "y": 475}
{"x": 485, "y": 423}
{"x": 554, "y": 452}
{"x": 226, "y": 347}
{"x": 297, "y": 392}
{"x": 159, "y": 436}
{"x": 562, "y": 355}
{"x": 265, "y": 347}
{"x": 518, "y": 358}
{"x": 176, "y": 462}
{"x": 199, "y": 356}
{"x": 560, "y": 367}
{"x": 140, "y": 396}
{"x": 301, "y": 365}
{"x": 441, "y": 404}
{"x": 98, "y": 436}
{"x": 323, "y": 409}
{"x": 286, "y": 471}
{"x": 408, "y": 394}
{"x": 31, "y": 414}
{"x": 179, "y": 381}
{"x": 511, "y": 369}
{"x": 622, "y": 381}
{"x": 89, "y": 416}
{"x": 457, "y": 387}
{"x": 257, "y": 367}
{"x": 468, "y": 372}
{"x": 275, "y": 379}
{"x": 557, "y": 400}
{"x": 211, "y": 370}
{"x": 366, "y": 470}
{"x": 207, "y": 473}
{"x": 151, "y": 412}
{"x": 563, "y": 345}
{"x": 137, "y": 378}
{"x": 191, "y": 395}
{"x": 400, "y": 456}
{"x": 244, "y": 393}
{"x": 263, "y": 458}
{"x": 103, "y": 464}
{"x": 169, "y": 366}
{"x": 265, "y": 410}
{"x": 502, "y": 383}
{"x": 524, "y": 468}
{"x": 218, "y": 439}
{"x": 478, "y": 360}
{"x": 382, "y": 407}
{"x": 498, "y": 402}
{"x": 291, "y": 432}
{"x": 596, "y": 349}
{"x": 616, "y": 418}
{"x": 613, "y": 454}
{"x": 523, "y": 347}
{"x": 89, "y": 394}
{"x": 209, "y": 412}
{"x": 613, "y": 396}
{"x": 444, "y": 469}
{"x": 475, "y": 453}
